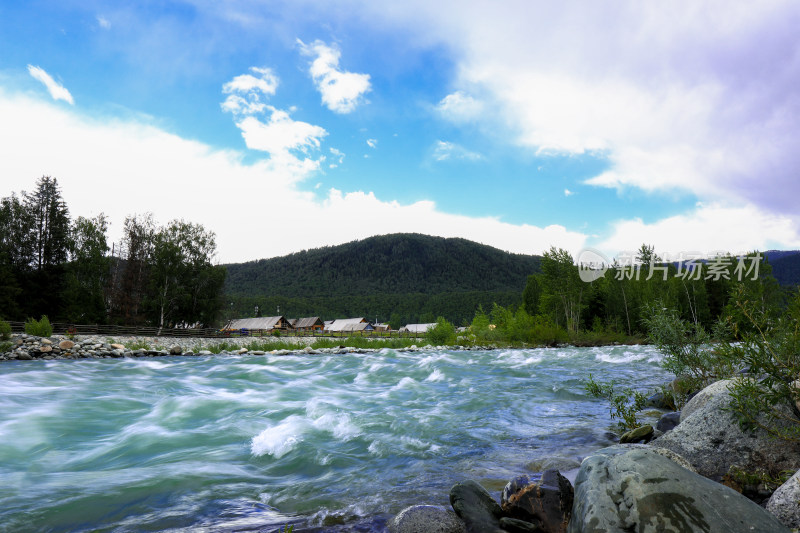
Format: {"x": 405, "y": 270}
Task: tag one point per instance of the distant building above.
{"x": 416, "y": 328}
{"x": 312, "y": 323}
{"x": 266, "y": 323}
{"x": 382, "y": 327}
{"x": 349, "y": 325}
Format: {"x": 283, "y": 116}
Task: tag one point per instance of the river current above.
{"x": 327, "y": 442}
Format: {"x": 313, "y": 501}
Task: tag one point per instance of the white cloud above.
{"x": 460, "y": 107}
{"x": 693, "y": 96}
{"x": 707, "y": 229}
{"x": 339, "y": 155}
{"x": 56, "y": 90}
{"x": 280, "y": 134}
{"x": 245, "y": 92}
{"x": 445, "y": 150}
{"x": 150, "y": 169}
{"x": 568, "y": 192}
{"x": 282, "y": 137}
{"x": 372, "y": 143}
{"x": 103, "y": 22}
{"x": 341, "y": 91}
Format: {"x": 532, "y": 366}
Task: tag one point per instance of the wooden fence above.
{"x": 61, "y": 328}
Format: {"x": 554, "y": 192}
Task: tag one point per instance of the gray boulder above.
{"x": 622, "y": 489}
{"x": 668, "y": 421}
{"x": 476, "y": 507}
{"x": 426, "y": 519}
{"x": 710, "y": 438}
{"x": 784, "y": 502}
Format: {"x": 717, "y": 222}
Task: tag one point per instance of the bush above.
{"x": 443, "y": 333}
{"x": 623, "y": 404}
{"x": 39, "y": 328}
{"x": 6, "y": 346}
{"x": 687, "y": 348}
{"x": 771, "y": 351}
{"x": 5, "y": 330}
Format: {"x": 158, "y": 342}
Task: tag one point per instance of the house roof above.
{"x": 350, "y": 323}
{"x": 265, "y": 322}
{"x": 307, "y": 322}
{"x": 418, "y": 328}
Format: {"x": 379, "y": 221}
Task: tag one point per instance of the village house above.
{"x": 262, "y": 324}
{"x": 416, "y": 328}
{"x": 349, "y": 325}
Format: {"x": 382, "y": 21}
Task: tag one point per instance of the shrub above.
{"x": 623, "y": 404}
{"x": 771, "y": 351}
{"x": 687, "y": 348}
{"x": 39, "y": 328}
{"x": 5, "y": 330}
{"x": 6, "y": 346}
{"x": 443, "y": 333}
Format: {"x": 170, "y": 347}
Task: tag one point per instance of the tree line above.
{"x": 51, "y": 264}
{"x": 558, "y": 305}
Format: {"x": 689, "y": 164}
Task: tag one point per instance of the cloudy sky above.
{"x": 284, "y": 126}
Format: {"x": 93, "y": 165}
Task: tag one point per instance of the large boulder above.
{"x": 710, "y": 438}
{"x": 784, "y": 502}
{"x": 623, "y": 488}
{"x": 426, "y": 519}
{"x": 543, "y": 500}
{"x": 476, "y": 507}
{"x": 668, "y": 421}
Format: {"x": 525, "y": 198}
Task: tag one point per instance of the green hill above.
{"x": 402, "y": 277}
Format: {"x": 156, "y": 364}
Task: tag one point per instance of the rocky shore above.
{"x": 703, "y": 474}
{"x": 29, "y": 347}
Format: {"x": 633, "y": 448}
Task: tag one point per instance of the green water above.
{"x": 248, "y": 443}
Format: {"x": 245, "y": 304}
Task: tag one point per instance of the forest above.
{"x": 53, "y": 265}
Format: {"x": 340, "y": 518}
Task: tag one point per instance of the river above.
{"x": 250, "y": 443}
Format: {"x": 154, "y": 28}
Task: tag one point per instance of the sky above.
{"x": 289, "y": 125}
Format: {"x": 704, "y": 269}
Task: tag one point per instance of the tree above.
{"x": 185, "y": 286}
{"x": 130, "y": 272}
{"x": 562, "y": 290}
{"x": 51, "y": 228}
{"x": 532, "y": 294}
{"x": 88, "y": 271}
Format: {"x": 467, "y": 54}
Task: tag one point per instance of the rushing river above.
{"x": 250, "y": 443}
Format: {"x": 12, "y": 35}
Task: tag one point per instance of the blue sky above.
{"x": 284, "y": 126}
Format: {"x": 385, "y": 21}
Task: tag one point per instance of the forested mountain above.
{"x": 412, "y": 276}
{"x": 785, "y": 266}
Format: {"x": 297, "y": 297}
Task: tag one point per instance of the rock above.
{"x": 24, "y": 356}
{"x": 66, "y": 345}
{"x": 553, "y": 463}
{"x": 544, "y": 500}
{"x": 659, "y": 401}
{"x": 478, "y": 510}
{"x": 512, "y": 525}
{"x": 176, "y": 350}
{"x": 117, "y": 346}
{"x": 710, "y": 438}
{"x": 426, "y": 519}
{"x": 640, "y": 434}
{"x": 784, "y": 502}
{"x": 46, "y": 348}
{"x": 621, "y": 489}
{"x": 47, "y": 341}
{"x": 204, "y": 352}
{"x": 668, "y": 421}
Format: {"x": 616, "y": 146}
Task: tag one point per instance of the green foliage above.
{"x": 562, "y": 294}
{"x": 771, "y": 350}
{"x": 5, "y": 330}
{"x": 39, "y": 328}
{"x": 6, "y": 346}
{"x": 687, "y": 347}
{"x": 442, "y": 334}
{"x": 624, "y": 404}
{"x": 137, "y": 345}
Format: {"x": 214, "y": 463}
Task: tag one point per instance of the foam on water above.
{"x": 280, "y": 439}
